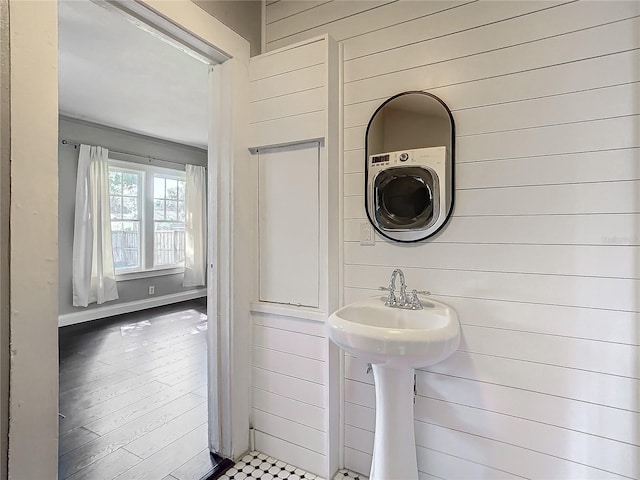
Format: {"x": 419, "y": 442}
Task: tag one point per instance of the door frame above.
{"x": 33, "y": 220}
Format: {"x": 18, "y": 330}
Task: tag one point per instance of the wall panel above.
{"x": 540, "y": 257}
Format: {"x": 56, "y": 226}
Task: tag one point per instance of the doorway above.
{"x": 133, "y": 371}
{"x": 33, "y": 235}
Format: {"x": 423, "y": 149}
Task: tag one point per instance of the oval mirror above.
{"x": 409, "y": 157}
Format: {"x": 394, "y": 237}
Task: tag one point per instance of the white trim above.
{"x": 306, "y": 313}
{"x": 154, "y": 272}
{"x": 128, "y": 307}
{"x": 214, "y": 358}
{"x": 263, "y": 27}
{"x": 195, "y": 28}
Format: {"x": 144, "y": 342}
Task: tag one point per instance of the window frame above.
{"x": 174, "y": 175}
{"x": 125, "y": 167}
{"x": 147, "y": 221}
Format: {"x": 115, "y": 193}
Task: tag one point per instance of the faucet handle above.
{"x": 422, "y": 292}
{"x": 386, "y": 289}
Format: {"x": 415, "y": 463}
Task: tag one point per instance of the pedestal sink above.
{"x": 395, "y": 341}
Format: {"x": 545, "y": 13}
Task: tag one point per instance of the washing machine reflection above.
{"x": 408, "y": 192}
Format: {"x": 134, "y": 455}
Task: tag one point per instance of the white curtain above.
{"x": 94, "y": 278}
{"x": 195, "y": 263}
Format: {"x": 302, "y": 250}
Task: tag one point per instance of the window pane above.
{"x": 172, "y": 210}
{"x": 181, "y": 189}
{"x": 172, "y": 189}
{"x": 130, "y": 208}
{"x": 158, "y": 209}
{"x": 116, "y": 208}
{"x": 125, "y": 237}
{"x": 158, "y": 187}
{"x": 115, "y": 182}
{"x": 181, "y": 211}
{"x": 130, "y": 184}
{"x": 168, "y": 243}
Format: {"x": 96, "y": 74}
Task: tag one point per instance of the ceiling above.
{"x": 114, "y": 73}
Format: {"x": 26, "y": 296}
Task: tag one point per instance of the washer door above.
{"x": 404, "y": 198}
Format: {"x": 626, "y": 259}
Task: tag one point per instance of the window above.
{"x": 126, "y": 208}
{"x": 147, "y": 217}
{"x": 168, "y": 220}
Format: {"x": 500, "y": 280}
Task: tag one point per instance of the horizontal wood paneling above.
{"x": 284, "y": 131}
{"x": 502, "y": 456}
{"x": 370, "y": 20}
{"x": 287, "y": 83}
{"x": 580, "y": 136}
{"x": 549, "y": 81}
{"x": 589, "y": 261}
{"x": 622, "y": 100}
{"x": 581, "y": 198}
{"x": 589, "y": 167}
{"x": 600, "y": 421}
{"x": 603, "y": 454}
{"x": 291, "y": 342}
{"x": 292, "y": 365}
{"x": 296, "y": 433}
{"x": 292, "y": 324}
{"x": 356, "y": 460}
{"x": 597, "y": 41}
{"x": 287, "y": 9}
{"x": 322, "y": 15}
{"x": 287, "y": 60}
{"x": 289, "y": 452}
{"x": 288, "y": 394}
{"x": 607, "y": 390}
{"x": 540, "y": 257}
{"x": 520, "y": 29}
{"x": 417, "y": 29}
{"x": 587, "y": 229}
{"x": 299, "y": 412}
{"x": 285, "y": 386}
{"x": 603, "y": 293}
{"x": 297, "y": 103}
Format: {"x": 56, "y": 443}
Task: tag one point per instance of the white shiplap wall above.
{"x": 291, "y": 103}
{"x": 289, "y": 414}
{"x": 542, "y": 255}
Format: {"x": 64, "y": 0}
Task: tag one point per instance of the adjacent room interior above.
{"x": 133, "y": 133}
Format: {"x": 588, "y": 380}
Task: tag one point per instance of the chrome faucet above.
{"x": 391, "y": 300}
{"x": 403, "y": 302}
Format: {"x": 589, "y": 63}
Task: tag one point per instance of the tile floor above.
{"x": 258, "y": 465}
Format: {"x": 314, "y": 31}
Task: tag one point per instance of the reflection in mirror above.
{"x": 409, "y": 167}
{"x": 408, "y": 121}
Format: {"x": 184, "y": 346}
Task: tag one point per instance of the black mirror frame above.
{"x": 453, "y": 177}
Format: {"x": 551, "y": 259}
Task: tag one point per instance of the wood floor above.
{"x": 133, "y": 396}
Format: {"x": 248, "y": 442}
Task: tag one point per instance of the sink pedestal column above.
{"x": 394, "y": 449}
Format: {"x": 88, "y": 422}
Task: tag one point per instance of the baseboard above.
{"x": 128, "y": 307}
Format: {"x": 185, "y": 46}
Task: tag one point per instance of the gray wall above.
{"x": 243, "y": 17}
{"x": 77, "y": 131}
{"x": 4, "y": 233}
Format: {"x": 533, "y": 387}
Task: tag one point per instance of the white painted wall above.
{"x": 541, "y": 256}
{"x": 33, "y": 418}
{"x": 5, "y": 153}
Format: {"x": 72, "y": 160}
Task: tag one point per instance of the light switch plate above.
{"x": 367, "y": 237}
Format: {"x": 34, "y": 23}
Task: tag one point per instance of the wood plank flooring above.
{"x": 133, "y": 396}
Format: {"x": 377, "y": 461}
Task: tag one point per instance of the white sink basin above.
{"x": 395, "y": 341}
{"x": 396, "y": 337}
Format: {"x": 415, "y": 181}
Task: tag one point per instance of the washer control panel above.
{"x": 433, "y": 156}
